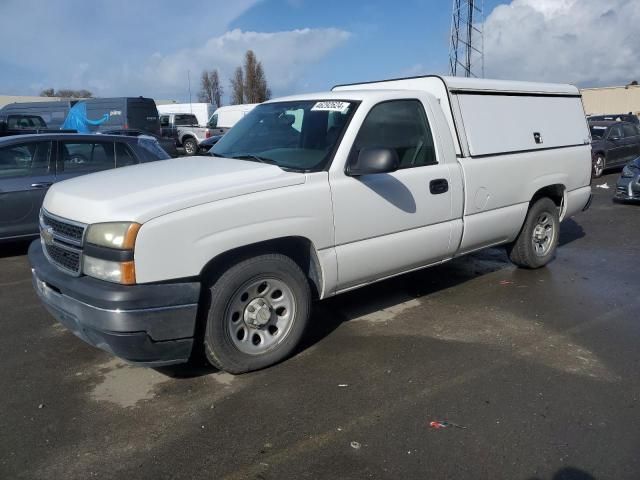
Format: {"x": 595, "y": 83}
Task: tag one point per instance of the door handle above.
{"x": 438, "y": 186}
{"x": 41, "y": 185}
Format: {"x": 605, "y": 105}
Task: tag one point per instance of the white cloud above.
{"x": 588, "y": 42}
{"x": 284, "y": 55}
{"x": 108, "y": 47}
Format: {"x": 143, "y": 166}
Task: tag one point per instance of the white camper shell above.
{"x": 490, "y": 117}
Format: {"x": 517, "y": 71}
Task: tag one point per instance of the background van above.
{"x": 226, "y": 117}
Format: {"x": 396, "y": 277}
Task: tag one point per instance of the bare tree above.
{"x": 237, "y": 87}
{"x": 255, "y": 81}
{"x": 210, "y": 88}
{"x": 47, "y": 92}
{"x": 249, "y": 84}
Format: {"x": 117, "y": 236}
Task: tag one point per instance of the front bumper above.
{"x": 143, "y": 324}
{"x": 628, "y": 189}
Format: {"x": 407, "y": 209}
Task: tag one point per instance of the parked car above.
{"x": 628, "y": 185}
{"x": 309, "y": 196}
{"x": 613, "y": 144}
{"x": 53, "y": 113}
{"x": 24, "y": 124}
{"x": 202, "y": 111}
{"x": 30, "y": 164}
{"x": 207, "y": 143}
{"x": 167, "y": 144}
{"x": 184, "y": 130}
{"x": 226, "y": 117}
{"x": 616, "y": 117}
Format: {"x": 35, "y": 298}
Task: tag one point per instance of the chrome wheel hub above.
{"x": 598, "y": 167}
{"x": 260, "y": 314}
{"x": 543, "y": 235}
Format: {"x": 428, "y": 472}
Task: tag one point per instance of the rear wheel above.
{"x": 190, "y": 146}
{"x": 599, "y": 165}
{"x": 259, "y": 311}
{"x": 537, "y": 242}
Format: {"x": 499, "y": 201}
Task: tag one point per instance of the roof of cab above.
{"x": 64, "y": 136}
{"x": 355, "y": 95}
{"x": 489, "y": 85}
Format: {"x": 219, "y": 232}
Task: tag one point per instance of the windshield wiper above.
{"x": 255, "y": 158}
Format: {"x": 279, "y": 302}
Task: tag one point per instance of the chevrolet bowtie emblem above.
{"x": 47, "y": 235}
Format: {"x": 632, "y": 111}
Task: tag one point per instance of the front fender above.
{"x": 180, "y": 244}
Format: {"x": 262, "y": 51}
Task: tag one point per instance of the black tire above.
{"x": 190, "y": 146}
{"x": 220, "y": 347}
{"x": 526, "y": 251}
{"x": 599, "y": 165}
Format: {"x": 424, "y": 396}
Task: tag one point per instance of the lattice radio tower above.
{"x": 466, "y": 53}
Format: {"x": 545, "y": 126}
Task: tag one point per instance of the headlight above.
{"x": 120, "y": 235}
{"x": 109, "y": 252}
{"x": 117, "y": 272}
{"x": 628, "y": 172}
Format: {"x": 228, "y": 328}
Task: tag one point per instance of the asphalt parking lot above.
{"x": 540, "y": 367}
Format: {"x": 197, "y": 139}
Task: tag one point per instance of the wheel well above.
{"x": 299, "y": 249}
{"x": 186, "y": 137}
{"x": 554, "y": 192}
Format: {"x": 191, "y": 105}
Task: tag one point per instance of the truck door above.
{"x": 395, "y": 222}
{"x": 25, "y": 176}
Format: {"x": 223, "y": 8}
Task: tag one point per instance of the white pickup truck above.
{"x": 307, "y": 197}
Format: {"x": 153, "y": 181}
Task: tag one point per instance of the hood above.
{"x": 141, "y": 192}
{"x": 634, "y": 163}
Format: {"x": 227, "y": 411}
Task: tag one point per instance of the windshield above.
{"x": 597, "y": 132}
{"x": 298, "y": 135}
{"x": 213, "y": 121}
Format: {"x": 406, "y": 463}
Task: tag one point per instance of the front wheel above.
{"x": 537, "y": 242}
{"x": 190, "y": 146}
{"x": 598, "y": 166}
{"x": 258, "y": 314}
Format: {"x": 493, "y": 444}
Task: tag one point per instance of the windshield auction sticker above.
{"x": 341, "y": 107}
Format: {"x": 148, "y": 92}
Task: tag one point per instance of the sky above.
{"x": 150, "y": 48}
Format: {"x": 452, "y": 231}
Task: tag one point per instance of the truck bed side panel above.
{"x": 498, "y": 190}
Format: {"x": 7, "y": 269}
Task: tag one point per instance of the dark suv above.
{"x": 30, "y": 164}
{"x": 619, "y": 117}
{"x": 613, "y": 144}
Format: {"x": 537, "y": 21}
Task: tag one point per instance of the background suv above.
{"x": 613, "y": 144}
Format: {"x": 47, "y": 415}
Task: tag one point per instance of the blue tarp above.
{"x": 77, "y": 119}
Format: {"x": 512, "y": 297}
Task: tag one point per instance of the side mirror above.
{"x": 374, "y": 160}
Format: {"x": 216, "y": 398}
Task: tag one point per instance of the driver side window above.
{"x": 400, "y": 125}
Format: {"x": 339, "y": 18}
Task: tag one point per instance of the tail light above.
{"x": 207, "y": 133}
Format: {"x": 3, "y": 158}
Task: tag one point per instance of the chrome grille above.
{"x": 62, "y": 242}
{"x": 62, "y": 228}
{"x": 64, "y": 258}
